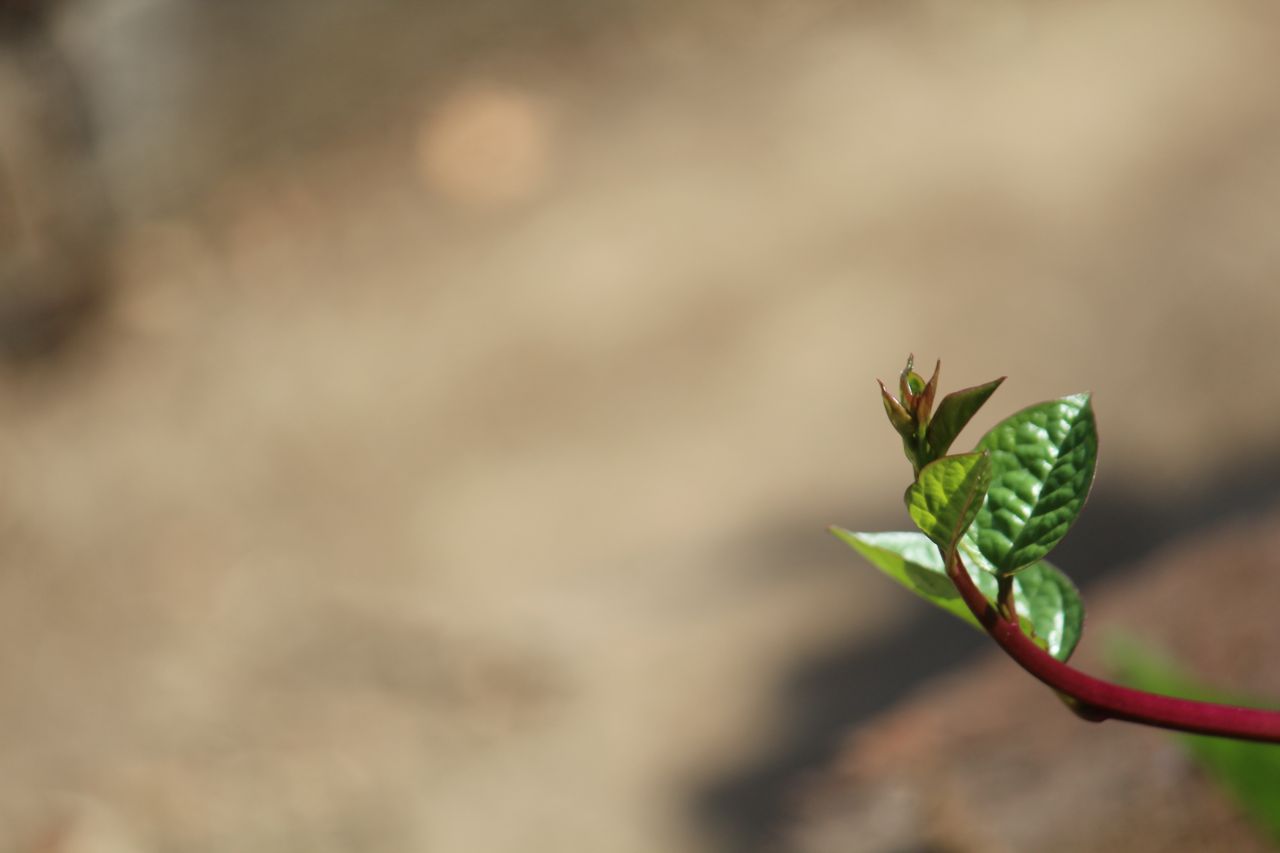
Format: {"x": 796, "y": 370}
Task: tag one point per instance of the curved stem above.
{"x": 1100, "y": 700}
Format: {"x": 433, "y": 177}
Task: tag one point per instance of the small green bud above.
{"x": 906, "y": 391}
{"x": 910, "y": 413}
{"x": 898, "y": 416}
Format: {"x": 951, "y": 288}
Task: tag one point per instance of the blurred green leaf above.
{"x": 1042, "y": 465}
{"x": 1250, "y": 772}
{"x": 1046, "y": 600}
{"x": 954, "y": 412}
{"x": 947, "y": 495}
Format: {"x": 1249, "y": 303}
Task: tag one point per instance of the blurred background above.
{"x": 421, "y": 421}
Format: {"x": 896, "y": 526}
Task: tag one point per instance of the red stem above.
{"x": 1101, "y": 700}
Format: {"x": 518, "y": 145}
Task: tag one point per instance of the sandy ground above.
{"x": 449, "y": 471}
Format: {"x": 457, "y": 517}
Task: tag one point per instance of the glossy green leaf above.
{"x": 1042, "y": 464}
{"x": 1047, "y": 598}
{"x": 947, "y": 495}
{"x": 954, "y": 412}
{"x": 1047, "y": 601}
{"x": 1250, "y": 772}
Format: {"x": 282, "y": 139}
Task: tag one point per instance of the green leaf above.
{"x": 947, "y": 495}
{"x": 1250, "y": 772}
{"x": 1046, "y": 600}
{"x": 954, "y": 412}
{"x": 1042, "y": 464}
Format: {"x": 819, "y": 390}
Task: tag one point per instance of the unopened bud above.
{"x": 898, "y": 415}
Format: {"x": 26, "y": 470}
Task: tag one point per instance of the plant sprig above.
{"x": 987, "y": 519}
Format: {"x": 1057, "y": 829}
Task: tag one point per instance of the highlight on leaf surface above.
{"x": 1048, "y": 605}
{"x": 1042, "y": 466}
{"x": 947, "y": 495}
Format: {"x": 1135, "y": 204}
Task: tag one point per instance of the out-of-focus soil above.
{"x": 450, "y": 467}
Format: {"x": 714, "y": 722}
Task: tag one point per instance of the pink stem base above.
{"x": 1102, "y": 700}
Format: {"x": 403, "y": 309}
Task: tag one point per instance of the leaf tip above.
{"x": 1082, "y": 399}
